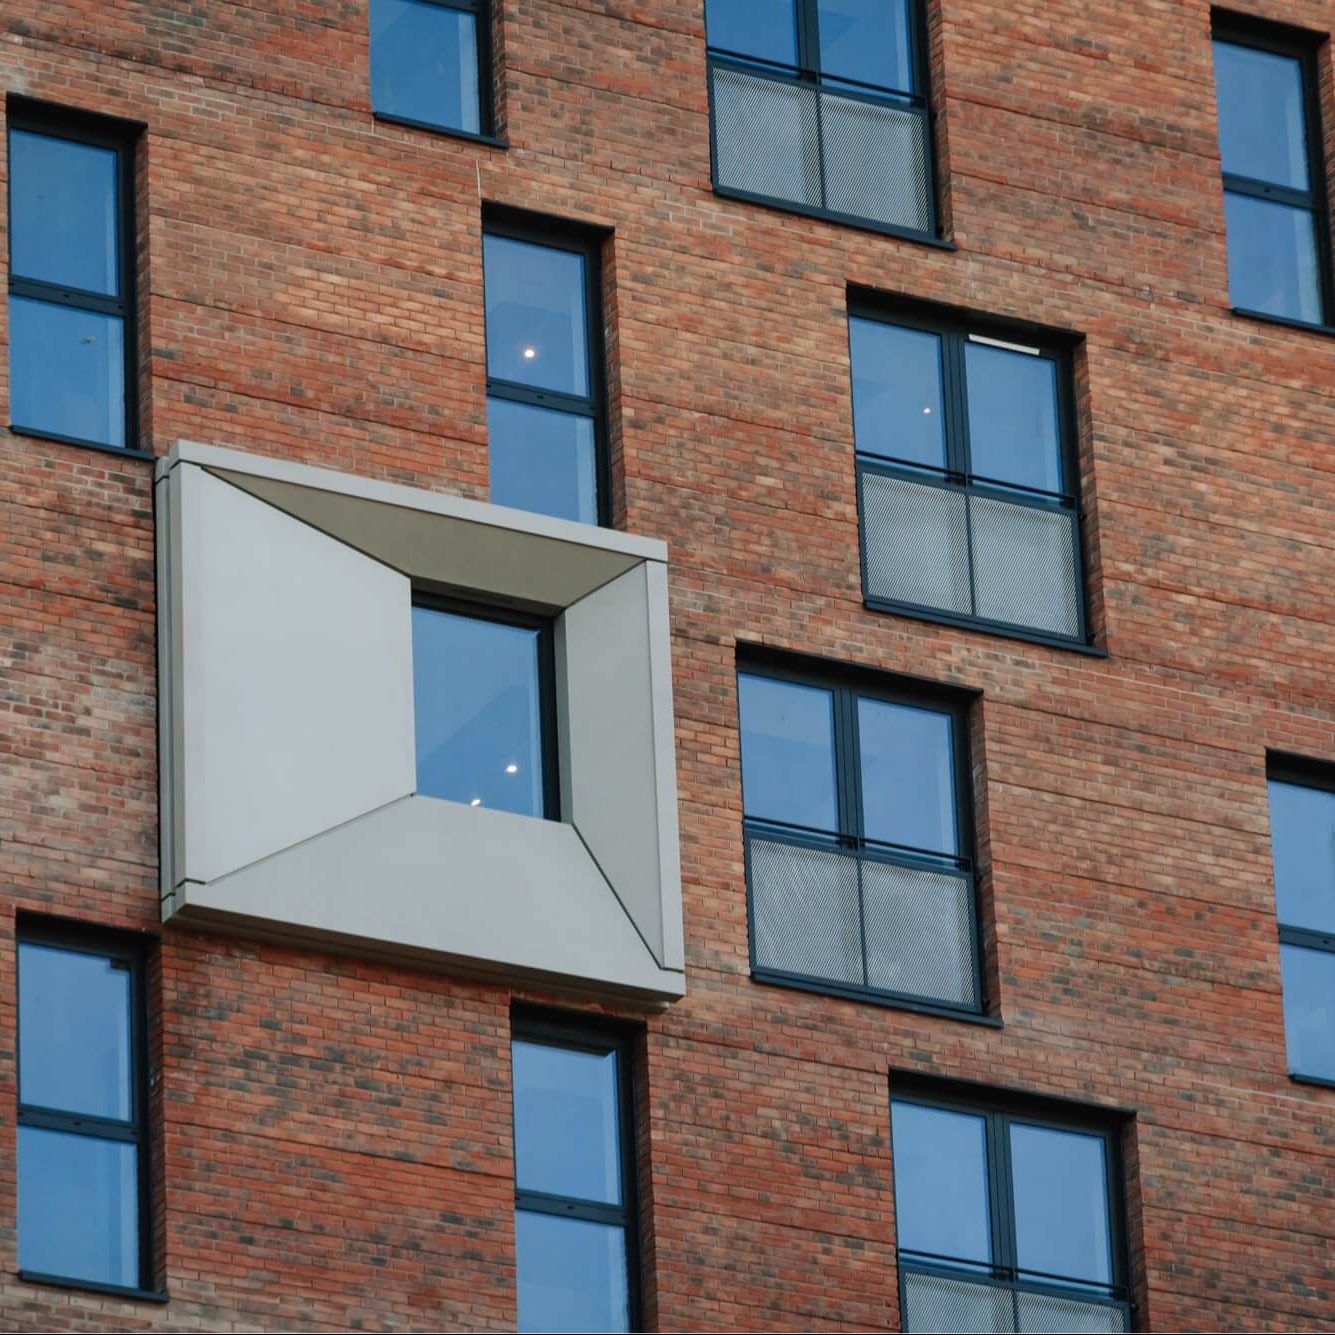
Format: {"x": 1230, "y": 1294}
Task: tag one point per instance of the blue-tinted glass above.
{"x": 1302, "y": 842}
{"x": 536, "y": 331}
{"x": 766, "y": 29}
{"x": 567, "y": 1141}
{"x": 1013, "y": 417}
{"x": 542, "y": 460}
{"x": 66, "y": 371}
{"x": 74, "y": 1032}
{"x": 63, "y": 208}
{"x": 571, "y": 1274}
{"x": 1309, "y": 1010}
{"x": 897, "y": 392}
{"x": 908, "y": 790}
{"x": 940, "y": 1166}
{"x": 1272, "y": 266}
{"x": 476, "y": 708}
{"x": 78, "y": 1207}
{"x": 424, "y": 64}
{"x": 788, "y": 767}
{"x": 1261, "y": 115}
{"x": 867, "y": 40}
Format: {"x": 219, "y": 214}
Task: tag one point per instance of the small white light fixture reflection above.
{"x": 512, "y": 768}
{"x": 530, "y": 353}
{"x": 927, "y": 410}
{"x": 476, "y": 802}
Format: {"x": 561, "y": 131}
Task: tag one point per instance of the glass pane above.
{"x": 867, "y": 40}
{"x": 567, "y": 1141}
{"x": 542, "y": 460}
{"x": 424, "y": 64}
{"x": 940, "y": 1169}
{"x": 766, "y": 29}
{"x": 78, "y": 1207}
{"x": 1309, "y": 1010}
{"x": 1302, "y": 841}
{"x": 572, "y": 1274}
{"x": 66, "y": 371}
{"x": 536, "y": 332}
{"x": 1061, "y": 1203}
{"x": 1261, "y": 115}
{"x": 908, "y": 788}
{"x": 74, "y": 1032}
{"x": 788, "y": 766}
{"x": 1272, "y": 264}
{"x": 477, "y": 711}
{"x": 63, "y": 205}
{"x": 897, "y": 411}
{"x": 1013, "y": 434}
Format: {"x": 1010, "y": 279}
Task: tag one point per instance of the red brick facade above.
{"x": 333, "y": 1136}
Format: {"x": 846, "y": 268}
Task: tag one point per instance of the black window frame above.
{"x": 1301, "y": 45}
{"x": 600, "y": 1035}
{"x": 956, "y": 329}
{"x": 121, "y": 137}
{"x": 808, "y": 71}
{"x": 586, "y": 242}
{"x": 847, "y": 685}
{"x": 131, "y": 952}
{"x": 1000, "y": 1110}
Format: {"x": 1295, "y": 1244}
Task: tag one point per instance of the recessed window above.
{"x": 821, "y": 106}
{"x": 1006, "y": 1221}
{"x": 574, "y": 1189}
{"x": 545, "y": 419}
{"x": 71, "y": 329}
{"x": 858, "y": 839}
{"x": 81, "y": 1147}
{"x": 966, "y": 477}
{"x": 1274, "y": 198}
{"x": 429, "y": 63}
{"x": 482, "y": 709}
{"x": 1302, "y": 840}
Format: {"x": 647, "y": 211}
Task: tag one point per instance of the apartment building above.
{"x": 667, "y": 665}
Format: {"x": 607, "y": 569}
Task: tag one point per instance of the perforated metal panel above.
{"x": 1044, "y": 1312}
{"x": 935, "y": 1303}
{"x": 765, "y": 137}
{"x": 1025, "y": 565}
{"x": 916, "y": 543}
{"x": 875, "y": 161}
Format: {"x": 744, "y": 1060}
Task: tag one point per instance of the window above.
{"x": 545, "y": 415}
{"x": 82, "y": 1156}
{"x": 858, "y": 838}
{"x": 574, "y": 1179}
{"x": 483, "y": 716}
{"x": 1302, "y": 838}
{"x": 966, "y": 477}
{"x": 820, "y": 106}
{"x": 430, "y": 64}
{"x": 71, "y": 278}
{"x": 1007, "y": 1220}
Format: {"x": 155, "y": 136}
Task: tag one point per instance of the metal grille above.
{"x": 935, "y": 1303}
{"x": 915, "y": 543}
{"x": 875, "y": 160}
{"x": 766, "y": 138}
{"x": 1025, "y": 565}
{"x": 1046, "y": 1312}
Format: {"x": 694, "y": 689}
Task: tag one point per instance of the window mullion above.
{"x": 808, "y": 36}
{"x": 1004, "y": 1249}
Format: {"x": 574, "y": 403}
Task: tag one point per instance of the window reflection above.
{"x": 424, "y": 64}
{"x": 788, "y": 764}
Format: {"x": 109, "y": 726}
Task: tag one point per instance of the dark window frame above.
{"x": 954, "y": 329}
{"x": 120, "y": 137}
{"x": 131, "y": 952}
{"x": 1301, "y": 45}
{"x": 847, "y": 685}
{"x": 600, "y": 1035}
{"x": 586, "y": 242}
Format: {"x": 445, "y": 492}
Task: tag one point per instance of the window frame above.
{"x": 586, "y": 242}
{"x": 120, "y": 137}
{"x": 592, "y": 1034}
{"x": 132, "y": 953}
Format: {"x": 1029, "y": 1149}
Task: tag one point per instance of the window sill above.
{"x": 1285, "y": 322}
{"x": 985, "y": 627}
{"x": 886, "y": 999}
{"x": 447, "y": 131}
{"x": 31, "y": 433}
{"x": 92, "y": 1286}
{"x": 844, "y": 219}
{"x": 1319, "y": 1081}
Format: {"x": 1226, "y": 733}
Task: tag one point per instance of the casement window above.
{"x": 821, "y": 106}
{"x": 71, "y": 277}
{"x": 575, "y": 1236}
{"x": 1275, "y": 206}
{"x": 82, "y": 1151}
{"x": 858, "y": 837}
{"x": 546, "y": 413}
{"x": 483, "y": 708}
{"x": 1007, "y": 1219}
{"x": 431, "y": 64}
{"x": 1302, "y": 839}
{"x": 967, "y": 485}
